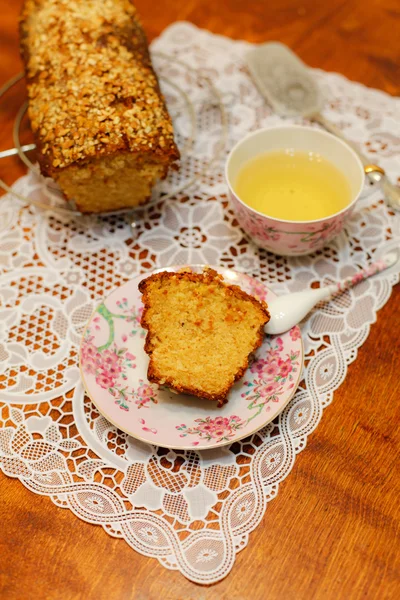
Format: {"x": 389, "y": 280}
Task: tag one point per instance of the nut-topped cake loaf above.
{"x": 201, "y": 331}
{"x": 98, "y": 117}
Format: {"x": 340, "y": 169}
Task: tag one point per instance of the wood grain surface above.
{"x": 333, "y": 531}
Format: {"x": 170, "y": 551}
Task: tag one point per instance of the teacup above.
{"x": 293, "y": 238}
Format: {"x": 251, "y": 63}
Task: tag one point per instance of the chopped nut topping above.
{"x": 89, "y": 74}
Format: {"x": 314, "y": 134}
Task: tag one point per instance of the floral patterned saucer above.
{"x": 114, "y": 367}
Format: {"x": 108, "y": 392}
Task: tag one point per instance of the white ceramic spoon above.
{"x": 287, "y": 311}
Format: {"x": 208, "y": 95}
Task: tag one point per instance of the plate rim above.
{"x": 174, "y": 447}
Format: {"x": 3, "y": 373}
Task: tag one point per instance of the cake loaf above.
{"x": 98, "y": 117}
{"x": 200, "y": 331}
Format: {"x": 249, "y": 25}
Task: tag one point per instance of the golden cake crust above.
{"x": 92, "y": 89}
{"x": 209, "y": 276}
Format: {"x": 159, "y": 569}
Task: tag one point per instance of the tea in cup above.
{"x": 293, "y": 187}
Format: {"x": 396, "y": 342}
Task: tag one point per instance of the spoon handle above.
{"x": 372, "y": 269}
{"x": 392, "y": 192}
{"x": 332, "y": 128}
{"x": 288, "y": 310}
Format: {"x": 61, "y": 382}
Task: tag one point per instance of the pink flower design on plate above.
{"x": 109, "y": 368}
{"x": 90, "y": 350}
{"x": 258, "y": 289}
{"x": 270, "y": 370}
{"x": 295, "y": 333}
{"x": 285, "y": 368}
{"x": 216, "y": 430}
{"x": 90, "y": 366}
{"x": 145, "y": 394}
{"x": 145, "y": 428}
{"x": 272, "y": 374}
{"x": 268, "y": 390}
{"x": 109, "y": 358}
{"x": 273, "y": 355}
{"x": 104, "y": 381}
{"x": 132, "y": 315}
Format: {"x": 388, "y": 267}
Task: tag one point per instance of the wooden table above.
{"x": 345, "y": 485}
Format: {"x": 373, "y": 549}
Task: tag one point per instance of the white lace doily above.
{"x": 192, "y": 511}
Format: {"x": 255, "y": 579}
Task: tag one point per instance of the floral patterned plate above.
{"x": 114, "y": 367}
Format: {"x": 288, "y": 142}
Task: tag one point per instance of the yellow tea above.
{"x": 293, "y": 185}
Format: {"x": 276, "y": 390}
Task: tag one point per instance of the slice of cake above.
{"x": 200, "y": 331}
